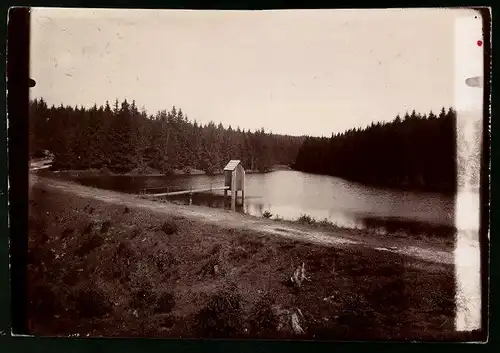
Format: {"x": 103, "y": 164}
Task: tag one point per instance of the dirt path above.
{"x": 228, "y": 219}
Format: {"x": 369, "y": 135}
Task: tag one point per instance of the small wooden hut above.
{"x": 234, "y": 178}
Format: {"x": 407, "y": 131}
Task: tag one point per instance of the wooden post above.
{"x": 233, "y": 190}
{"x": 243, "y": 189}
{"x": 233, "y": 200}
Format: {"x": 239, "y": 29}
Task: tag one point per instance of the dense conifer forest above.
{"x": 125, "y": 139}
{"x": 413, "y": 152}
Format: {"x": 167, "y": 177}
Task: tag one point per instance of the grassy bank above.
{"x": 406, "y": 231}
{"x": 441, "y": 235}
{"x": 109, "y": 270}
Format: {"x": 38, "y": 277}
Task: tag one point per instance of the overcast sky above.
{"x": 296, "y": 72}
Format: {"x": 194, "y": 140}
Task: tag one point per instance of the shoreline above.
{"x": 442, "y": 236}
{"x": 439, "y": 235}
{"x": 176, "y": 172}
{"x": 402, "y": 187}
{"x": 101, "y": 172}
{"x": 432, "y": 248}
{"x": 448, "y": 191}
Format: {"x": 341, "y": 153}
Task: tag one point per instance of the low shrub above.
{"x": 267, "y": 214}
{"x": 222, "y": 317}
{"x": 306, "y": 219}
{"x": 164, "y": 259}
{"x": 263, "y": 321}
{"x": 143, "y": 298}
{"x": 89, "y": 243}
{"x": 169, "y": 227}
{"x": 88, "y": 228}
{"x": 326, "y": 223}
{"x": 165, "y": 303}
{"x": 105, "y": 226}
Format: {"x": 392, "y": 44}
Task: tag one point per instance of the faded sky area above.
{"x": 294, "y": 72}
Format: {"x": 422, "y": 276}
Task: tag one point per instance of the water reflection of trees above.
{"x": 414, "y": 151}
{"x": 394, "y": 225}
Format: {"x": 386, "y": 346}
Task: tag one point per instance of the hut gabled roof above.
{"x": 232, "y": 164}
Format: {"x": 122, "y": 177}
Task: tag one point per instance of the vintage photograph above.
{"x": 285, "y": 174}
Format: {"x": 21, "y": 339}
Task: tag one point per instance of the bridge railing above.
{"x": 169, "y": 189}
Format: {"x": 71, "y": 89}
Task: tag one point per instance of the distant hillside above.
{"x": 123, "y": 139}
{"x": 413, "y": 152}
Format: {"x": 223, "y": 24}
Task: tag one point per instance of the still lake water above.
{"x": 289, "y": 194}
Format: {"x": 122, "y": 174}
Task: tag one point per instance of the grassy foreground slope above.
{"x": 101, "y": 269}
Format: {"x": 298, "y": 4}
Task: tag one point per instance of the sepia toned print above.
{"x": 296, "y": 174}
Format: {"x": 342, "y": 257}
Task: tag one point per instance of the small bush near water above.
{"x": 267, "y": 214}
{"x": 326, "y": 223}
{"x": 306, "y": 219}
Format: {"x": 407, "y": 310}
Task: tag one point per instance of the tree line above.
{"x": 416, "y": 151}
{"x": 125, "y": 139}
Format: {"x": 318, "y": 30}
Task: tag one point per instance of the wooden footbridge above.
{"x": 184, "y": 192}
{"x": 234, "y": 181}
